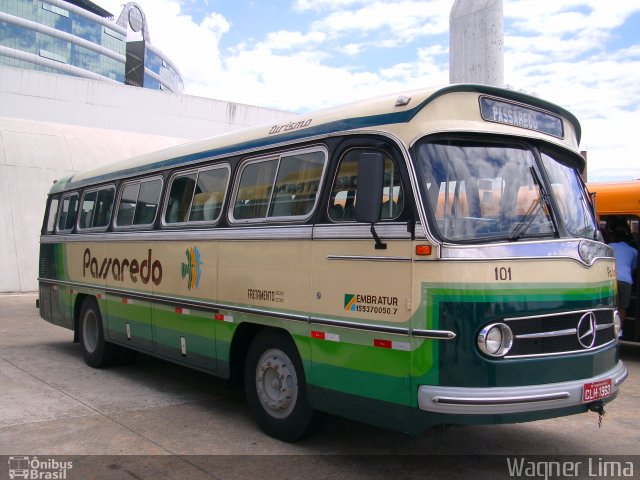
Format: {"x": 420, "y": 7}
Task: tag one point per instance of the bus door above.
{"x": 361, "y": 298}
{"x": 630, "y": 222}
{"x": 55, "y": 263}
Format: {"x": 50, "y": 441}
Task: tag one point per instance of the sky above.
{"x": 303, "y": 55}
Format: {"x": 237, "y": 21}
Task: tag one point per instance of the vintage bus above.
{"x": 414, "y": 260}
{"x": 619, "y": 203}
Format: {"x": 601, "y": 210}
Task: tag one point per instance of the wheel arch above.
{"x": 77, "y": 307}
{"x": 242, "y": 338}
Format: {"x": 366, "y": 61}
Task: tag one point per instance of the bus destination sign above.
{"x": 497, "y": 111}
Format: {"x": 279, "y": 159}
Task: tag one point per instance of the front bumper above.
{"x": 492, "y": 401}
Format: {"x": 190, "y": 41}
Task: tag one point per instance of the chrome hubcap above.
{"x": 276, "y": 383}
{"x": 90, "y": 331}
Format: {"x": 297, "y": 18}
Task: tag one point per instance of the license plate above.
{"x": 596, "y": 390}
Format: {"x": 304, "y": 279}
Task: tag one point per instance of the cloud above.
{"x": 319, "y": 5}
{"x": 562, "y": 52}
{"x": 403, "y": 21}
{"x": 284, "y": 40}
{"x": 328, "y": 52}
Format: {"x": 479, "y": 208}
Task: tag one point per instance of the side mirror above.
{"x": 369, "y": 193}
{"x": 370, "y": 184}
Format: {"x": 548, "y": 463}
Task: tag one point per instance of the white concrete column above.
{"x": 476, "y": 42}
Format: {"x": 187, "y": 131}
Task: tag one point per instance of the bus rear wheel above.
{"x": 276, "y": 388}
{"x": 96, "y": 351}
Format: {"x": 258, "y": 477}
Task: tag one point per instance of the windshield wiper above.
{"x": 521, "y": 228}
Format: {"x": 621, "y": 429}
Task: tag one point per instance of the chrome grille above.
{"x": 557, "y": 334}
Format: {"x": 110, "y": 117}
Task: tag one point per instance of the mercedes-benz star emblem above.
{"x": 586, "y": 330}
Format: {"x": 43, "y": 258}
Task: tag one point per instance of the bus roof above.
{"x": 617, "y": 198}
{"x": 364, "y": 114}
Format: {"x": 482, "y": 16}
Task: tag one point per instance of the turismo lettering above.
{"x": 144, "y": 270}
{"x": 289, "y": 126}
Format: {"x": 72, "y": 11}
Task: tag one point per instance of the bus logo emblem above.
{"x": 586, "y": 330}
{"x": 191, "y": 269}
{"x": 350, "y": 302}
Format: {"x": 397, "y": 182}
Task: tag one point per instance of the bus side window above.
{"x": 256, "y": 182}
{"x": 279, "y": 189}
{"x": 298, "y": 179}
{"x": 343, "y": 195}
{"x": 95, "y": 211}
{"x": 51, "y": 218}
{"x": 180, "y": 198}
{"x": 68, "y": 213}
{"x": 210, "y": 189}
{"x": 147, "y": 202}
{"x": 139, "y": 203}
{"x": 127, "y": 204}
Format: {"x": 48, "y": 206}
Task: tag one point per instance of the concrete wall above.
{"x": 52, "y": 126}
{"x": 33, "y": 155}
{"x": 476, "y": 42}
{"x": 91, "y": 103}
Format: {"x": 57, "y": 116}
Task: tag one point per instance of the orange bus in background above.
{"x": 620, "y": 202}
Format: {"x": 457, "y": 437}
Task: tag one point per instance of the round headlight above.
{"x": 617, "y": 324}
{"x": 495, "y": 340}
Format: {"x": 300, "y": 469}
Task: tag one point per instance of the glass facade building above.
{"x": 79, "y": 38}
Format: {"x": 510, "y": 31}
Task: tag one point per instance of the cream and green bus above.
{"x": 414, "y": 260}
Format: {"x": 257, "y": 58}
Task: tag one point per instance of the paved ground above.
{"x": 52, "y": 405}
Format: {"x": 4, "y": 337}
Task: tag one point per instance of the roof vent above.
{"x": 401, "y": 101}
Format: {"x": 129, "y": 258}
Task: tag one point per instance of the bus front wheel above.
{"x": 96, "y": 351}
{"x": 276, "y": 388}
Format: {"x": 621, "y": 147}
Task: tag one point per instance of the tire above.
{"x": 276, "y": 388}
{"x": 96, "y": 351}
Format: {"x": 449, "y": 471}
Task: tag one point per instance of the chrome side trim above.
{"x": 434, "y": 334}
{"x": 303, "y": 232}
{"x": 360, "y": 231}
{"x": 216, "y": 307}
{"x": 169, "y": 300}
{"x": 360, "y": 326}
{"x": 563, "y": 248}
{"x": 369, "y": 258}
{"x": 504, "y": 400}
{"x": 424, "y": 334}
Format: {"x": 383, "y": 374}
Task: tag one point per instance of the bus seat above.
{"x": 173, "y": 212}
{"x": 336, "y": 212}
{"x": 146, "y": 215}
{"x": 282, "y": 206}
{"x": 303, "y": 204}
{"x": 210, "y": 208}
{"x": 389, "y": 209}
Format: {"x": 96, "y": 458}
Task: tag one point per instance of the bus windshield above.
{"x": 571, "y": 196}
{"x": 479, "y": 191}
